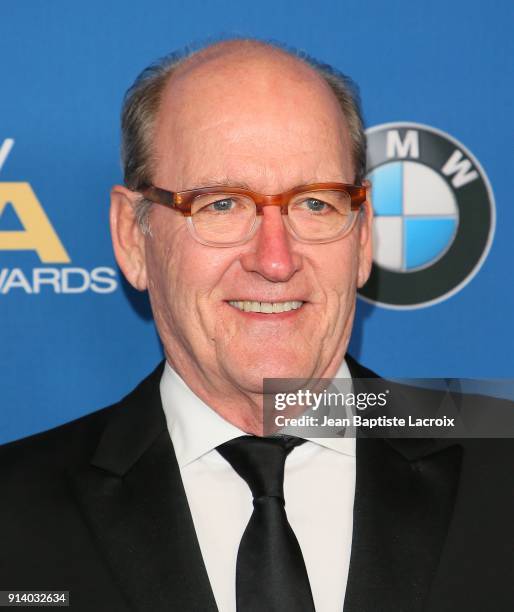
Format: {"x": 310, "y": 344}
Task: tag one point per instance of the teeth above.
{"x": 266, "y": 307}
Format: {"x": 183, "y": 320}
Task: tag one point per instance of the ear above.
{"x": 366, "y": 238}
{"x": 127, "y": 239}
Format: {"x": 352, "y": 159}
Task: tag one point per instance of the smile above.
{"x": 266, "y": 307}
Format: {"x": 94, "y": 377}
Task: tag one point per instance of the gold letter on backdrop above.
{"x": 38, "y": 235}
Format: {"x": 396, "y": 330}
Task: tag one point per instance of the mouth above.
{"x": 266, "y": 307}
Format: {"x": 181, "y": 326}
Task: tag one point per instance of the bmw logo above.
{"x": 434, "y": 215}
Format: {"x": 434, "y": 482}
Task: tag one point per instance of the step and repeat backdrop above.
{"x": 436, "y": 82}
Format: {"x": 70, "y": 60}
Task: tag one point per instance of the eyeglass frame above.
{"x": 182, "y": 202}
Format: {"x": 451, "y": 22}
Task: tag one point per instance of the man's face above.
{"x": 269, "y": 124}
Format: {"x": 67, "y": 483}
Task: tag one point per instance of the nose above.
{"x": 271, "y": 254}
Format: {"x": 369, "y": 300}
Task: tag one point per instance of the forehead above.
{"x": 244, "y": 115}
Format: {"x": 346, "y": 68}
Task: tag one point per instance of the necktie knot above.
{"x": 260, "y": 462}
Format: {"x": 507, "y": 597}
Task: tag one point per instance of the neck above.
{"x": 243, "y": 408}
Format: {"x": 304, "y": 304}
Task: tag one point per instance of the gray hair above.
{"x": 143, "y": 98}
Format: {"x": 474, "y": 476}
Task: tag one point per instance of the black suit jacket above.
{"x": 97, "y": 507}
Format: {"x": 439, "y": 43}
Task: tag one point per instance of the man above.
{"x": 147, "y": 505}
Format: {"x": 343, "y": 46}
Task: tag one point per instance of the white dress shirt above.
{"x": 319, "y": 489}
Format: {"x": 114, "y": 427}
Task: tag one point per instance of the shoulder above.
{"x": 68, "y": 445}
{"x": 485, "y": 424}
{"x": 62, "y": 444}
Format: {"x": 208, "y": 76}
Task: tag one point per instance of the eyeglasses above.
{"x": 227, "y": 216}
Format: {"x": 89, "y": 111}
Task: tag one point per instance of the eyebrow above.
{"x": 220, "y": 182}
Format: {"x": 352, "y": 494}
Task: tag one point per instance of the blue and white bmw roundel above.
{"x": 434, "y": 215}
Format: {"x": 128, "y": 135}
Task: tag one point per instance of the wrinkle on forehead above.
{"x": 250, "y": 182}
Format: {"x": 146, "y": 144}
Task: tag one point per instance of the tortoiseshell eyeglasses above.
{"x": 225, "y": 216}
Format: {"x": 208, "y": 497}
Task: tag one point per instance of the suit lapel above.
{"x": 131, "y": 496}
{"x": 401, "y": 515}
{"x": 404, "y": 499}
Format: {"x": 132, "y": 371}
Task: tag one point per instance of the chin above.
{"x": 249, "y": 374}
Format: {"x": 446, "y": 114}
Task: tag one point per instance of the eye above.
{"x": 315, "y": 206}
{"x": 224, "y": 205}
{"x": 220, "y": 204}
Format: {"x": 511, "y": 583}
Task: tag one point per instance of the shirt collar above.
{"x": 196, "y": 429}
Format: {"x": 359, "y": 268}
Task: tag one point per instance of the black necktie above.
{"x": 270, "y": 573}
